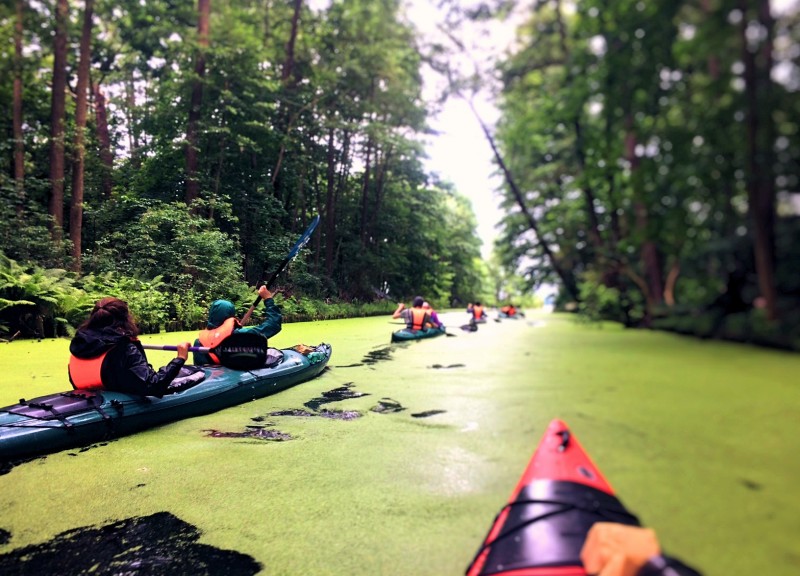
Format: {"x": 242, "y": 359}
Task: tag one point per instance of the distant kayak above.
{"x": 80, "y": 417}
{"x": 505, "y": 316}
{"x": 407, "y": 334}
{"x": 541, "y": 531}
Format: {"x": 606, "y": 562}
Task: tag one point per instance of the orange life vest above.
{"x": 212, "y": 337}
{"x": 477, "y": 312}
{"x": 418, "y": 318}
{"x": 84, "y": 373}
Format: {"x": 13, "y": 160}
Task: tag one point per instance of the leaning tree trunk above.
{"x": 57, "y": 113}
{"x": 196, "y": 104}
{"x": 566, "y": 279}
{"x": 81, "y": 107}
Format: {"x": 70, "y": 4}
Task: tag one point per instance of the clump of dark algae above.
{"x": 387, "y": 406}
{"x": 340, "y": 414}
{"x": 255, "y": 432}
{"x": 428, "y": 413}
{"x": 379, "y": 355}
{"x": 145, "y": 545}
{"x": 344, "y": 392}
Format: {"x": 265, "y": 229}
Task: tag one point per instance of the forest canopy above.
{"x": 649, "y": 154}
{"x": 193, "y": 142}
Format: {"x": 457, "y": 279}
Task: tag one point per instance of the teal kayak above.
{"x": 80, "y": 417}
{"x": 407, "y": 334}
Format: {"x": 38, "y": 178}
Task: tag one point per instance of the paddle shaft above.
{"x": 175, "y": 348}
{"x": 284, "y": 263}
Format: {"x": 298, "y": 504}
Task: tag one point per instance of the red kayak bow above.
{"x": 541, "y": 531}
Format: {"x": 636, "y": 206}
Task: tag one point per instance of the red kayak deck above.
{"x": 542, "y": 530}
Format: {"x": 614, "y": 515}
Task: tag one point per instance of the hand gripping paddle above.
{"x": 240, "y": 351}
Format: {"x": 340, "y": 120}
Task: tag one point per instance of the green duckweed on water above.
{"x": 419, "y": 447}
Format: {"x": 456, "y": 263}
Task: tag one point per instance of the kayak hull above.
{"x": 542, "y": 529}
{"x": 80, "y": 417}
{"x": 406, "y": 334}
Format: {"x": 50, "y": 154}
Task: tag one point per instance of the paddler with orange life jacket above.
{"x": 508, "y": 310}
{"x": 106, "y": 353}
{"x": 416, "y": 317}
{"x": 222, "y": 322}
{"x": 477, "y": 311}
{"x": 435, "y": 322}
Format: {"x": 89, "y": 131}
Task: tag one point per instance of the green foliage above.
{"x": 148, "y": 301}
{"x": 598, "y": 302}
{"x": 622, "y": 124}
{"x": 34, "y": 300}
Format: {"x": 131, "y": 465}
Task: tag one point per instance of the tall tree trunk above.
{"x": 19, "y": 142}
{"x": 566, "y": 279}
{"x": 81, "y": 107}
{"x": 57, "y": 113}
{"x": 594, "y": 224}
{"x": 330, "y": 206}
{"x": 132, "y": 118}
{"x": 365, "y": 187}
{"x": 196, "y": 103}
{"x": 760, "y": 138}
{"x": 288, "y": 64}
{"x": 650, "y": 257}
{"x": 104, "y": 141}
{"x": 289, "y": 81}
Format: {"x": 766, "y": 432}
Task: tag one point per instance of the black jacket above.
{"x": 125, "y": 368}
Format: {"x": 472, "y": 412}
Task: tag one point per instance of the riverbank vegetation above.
{"x": 650, "y": 157}
{"x": 651, "y": 160}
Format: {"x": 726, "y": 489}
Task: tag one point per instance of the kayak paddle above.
{"x": 244, "y": 350}
{"x": 292, "y": 254}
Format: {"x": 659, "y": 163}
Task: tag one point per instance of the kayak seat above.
{"x": 59, "y": 406}
{"x": 188, "y": 376}
{"x": 274, "y": 357}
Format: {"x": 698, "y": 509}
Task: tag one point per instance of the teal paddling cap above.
{"x": 220, "y": 311}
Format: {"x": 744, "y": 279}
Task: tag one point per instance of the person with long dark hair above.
{"x": 106, "y": 353}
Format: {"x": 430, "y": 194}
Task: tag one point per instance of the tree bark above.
{"x": 288, "y": 64}
{"x": 57, "y": 113}
{"x": 289, "y": 81}
{"x": 81, "y": 108}
{"x": 330, "y": 206}
{"x": 365, "y": 187}
{"x": 104, "y": 141}
{"x": 132, "y": 117}
{"x": 649, "y": 254}
{"x": 19, "y": 142}
{"x": 566, "y": 279}
{"x": 196, "y": 103}
{"x": 760, "y": 136}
